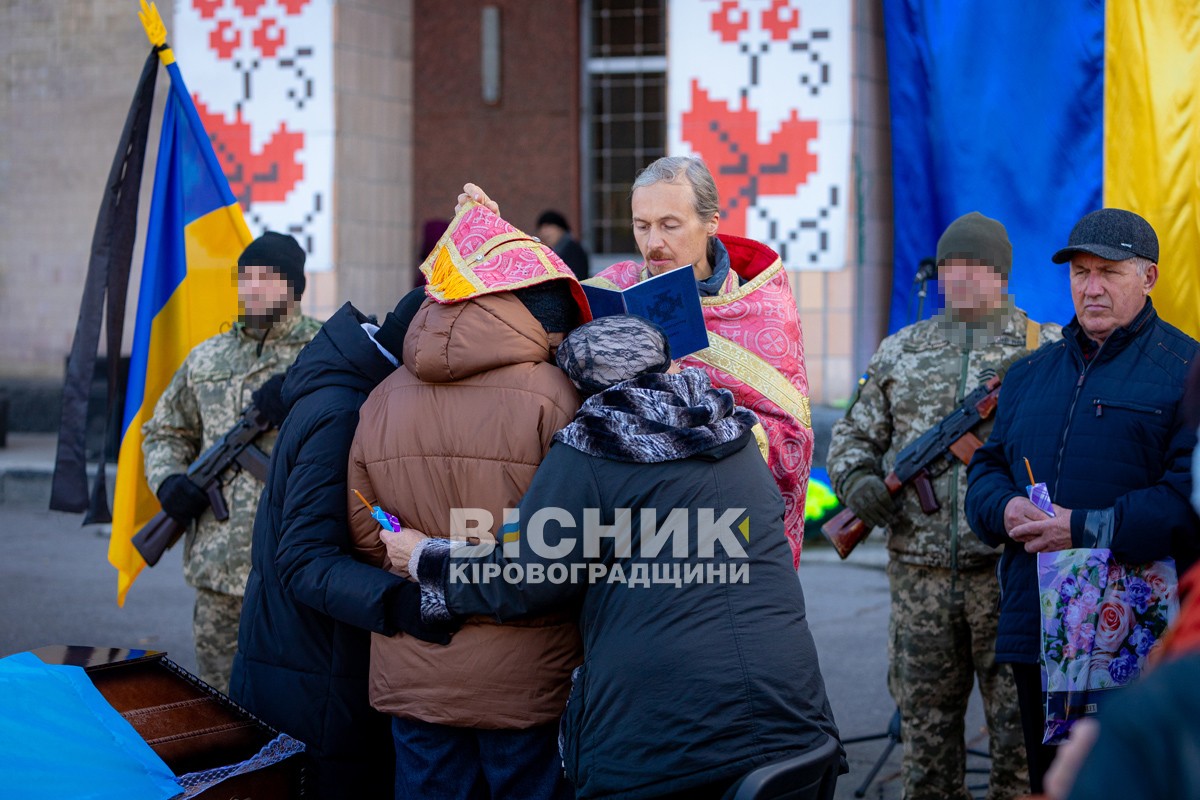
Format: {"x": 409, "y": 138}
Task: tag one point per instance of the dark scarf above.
{"x": 654, "y": 418}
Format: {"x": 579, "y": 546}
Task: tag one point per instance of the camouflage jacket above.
{"x": 918, "y": 376}
{"x": 201, "y": 403}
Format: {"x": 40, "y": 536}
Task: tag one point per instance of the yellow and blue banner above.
{"x": 188, "y": 293}
{"x": 1035, "y": 114}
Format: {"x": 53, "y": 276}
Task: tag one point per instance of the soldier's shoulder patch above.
{"x": 858, "y": 387}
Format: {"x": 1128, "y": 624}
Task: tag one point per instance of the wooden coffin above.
{"x": 193, "y": 727}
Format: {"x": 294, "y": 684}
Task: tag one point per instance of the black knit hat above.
{"x": 977, "y": 237}
{"x": 281, "y": 253}
{"x": 395, "y": 325}
{"x": 613, "y": 349}
{"x": 1114, "y": 234}
{"x": 551, "y": 304}
{"x": 552, "y": 217}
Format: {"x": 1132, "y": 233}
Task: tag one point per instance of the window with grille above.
{"x": 625, "y": 116}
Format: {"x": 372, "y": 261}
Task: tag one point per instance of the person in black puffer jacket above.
{"x": 1098, "y": 416}
{"x": 304, "y": 642}
{"x": 694, "y": 671}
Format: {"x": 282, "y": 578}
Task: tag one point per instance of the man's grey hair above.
{"x": 1142, "y": 265}
{"x": 677, "y": 169}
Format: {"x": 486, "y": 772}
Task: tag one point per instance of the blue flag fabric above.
{"x": 61, "y": 738}
{"x": 996, "y": 108}
{"x": 188, "y": 293}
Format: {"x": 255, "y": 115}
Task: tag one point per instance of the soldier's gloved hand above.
{"x": 268, "y": 399}
{"x": 868, "y": 497}
{"x": 181, "y": 499}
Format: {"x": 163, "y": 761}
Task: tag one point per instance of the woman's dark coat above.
{"x": 304, "y": 644}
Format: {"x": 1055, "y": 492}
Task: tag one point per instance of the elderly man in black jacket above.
{"x": 304, "y": 640}
{"x": 1098, "y": 416}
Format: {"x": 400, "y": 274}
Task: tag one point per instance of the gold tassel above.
{"x": 447, "y": 280}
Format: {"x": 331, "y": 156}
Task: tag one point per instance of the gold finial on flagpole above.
{"x": 156, "y": 31}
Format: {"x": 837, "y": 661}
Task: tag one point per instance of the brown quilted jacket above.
{"x": 464, "y": 424}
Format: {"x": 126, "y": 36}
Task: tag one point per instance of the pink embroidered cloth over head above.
{"x": 480, "y": 253}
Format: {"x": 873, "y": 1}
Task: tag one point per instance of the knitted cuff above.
{"x": 429, "y": 565}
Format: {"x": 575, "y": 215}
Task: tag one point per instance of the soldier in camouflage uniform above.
{"x": 945, "y": 596}
{"x": 217, "y": 380}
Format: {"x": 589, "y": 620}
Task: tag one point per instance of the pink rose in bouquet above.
{"x": 1161, "y": 577}
{"x": 1116, "y": 618}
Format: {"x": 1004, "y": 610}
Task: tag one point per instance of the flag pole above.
{"x": 156, "y": 32}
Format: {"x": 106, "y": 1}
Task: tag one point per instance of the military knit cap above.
{"x": 977, "y": 237}
{"x": 613, "y": 349}
{"x": 280, "y": 252}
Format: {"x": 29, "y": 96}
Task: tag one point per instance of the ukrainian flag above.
{"x": 1036, "y": 113}
{"x": 188, "y": 292}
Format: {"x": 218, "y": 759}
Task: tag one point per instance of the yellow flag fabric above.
{"x": 1152, "y": 138}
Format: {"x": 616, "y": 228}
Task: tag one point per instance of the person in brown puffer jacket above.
{"x": 464, "y": 423}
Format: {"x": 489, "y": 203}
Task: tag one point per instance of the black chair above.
{"x": 810, "y": 776}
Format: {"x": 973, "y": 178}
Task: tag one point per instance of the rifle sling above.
{"x": 1033, "y": 334}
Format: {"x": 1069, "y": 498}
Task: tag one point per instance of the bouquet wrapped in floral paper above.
{"x": 1100, "y": 621}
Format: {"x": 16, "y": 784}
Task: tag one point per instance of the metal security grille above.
{"x": 624, "y": 126}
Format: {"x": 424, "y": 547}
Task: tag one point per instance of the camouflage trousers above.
{"x": 215, "y": 620}
{"x": 942, "y": 635}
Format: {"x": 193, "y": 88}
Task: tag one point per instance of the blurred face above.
{"x": 668, "y": 231}
{"x": 1108, "y": 294}
{"x": 973, "y": 289}
{"x": 550, "y": 234}
{"x": 264, "y": 296}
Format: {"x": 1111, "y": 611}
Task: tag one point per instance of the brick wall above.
{"x": 525, "y": 149}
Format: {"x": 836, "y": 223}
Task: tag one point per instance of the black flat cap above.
{"x": 1114, "y": 234}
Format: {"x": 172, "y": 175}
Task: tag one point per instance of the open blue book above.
{"x": 669, "y": 300}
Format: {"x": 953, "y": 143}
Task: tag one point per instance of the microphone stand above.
{"x": 921, "y": 292}
{"x": 926, "y": 269}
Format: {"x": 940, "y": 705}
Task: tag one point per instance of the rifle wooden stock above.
{"x": 156, "y": 536}
{"x": 846, "y": 530}
{"x": 965, "y": 446}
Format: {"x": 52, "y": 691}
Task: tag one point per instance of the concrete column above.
{"x": 373, "y": 152}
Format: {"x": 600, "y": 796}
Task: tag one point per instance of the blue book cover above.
{"x": 669, "y": 300}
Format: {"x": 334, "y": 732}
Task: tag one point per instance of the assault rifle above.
{"x": 950, "y": 436}
{"x": 235, "y": 448}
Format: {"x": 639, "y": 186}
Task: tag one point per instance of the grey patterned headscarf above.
{"x": 635, "y": 413}
{"x": 655, "y": 418}
{"x": 613, "y": 349}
